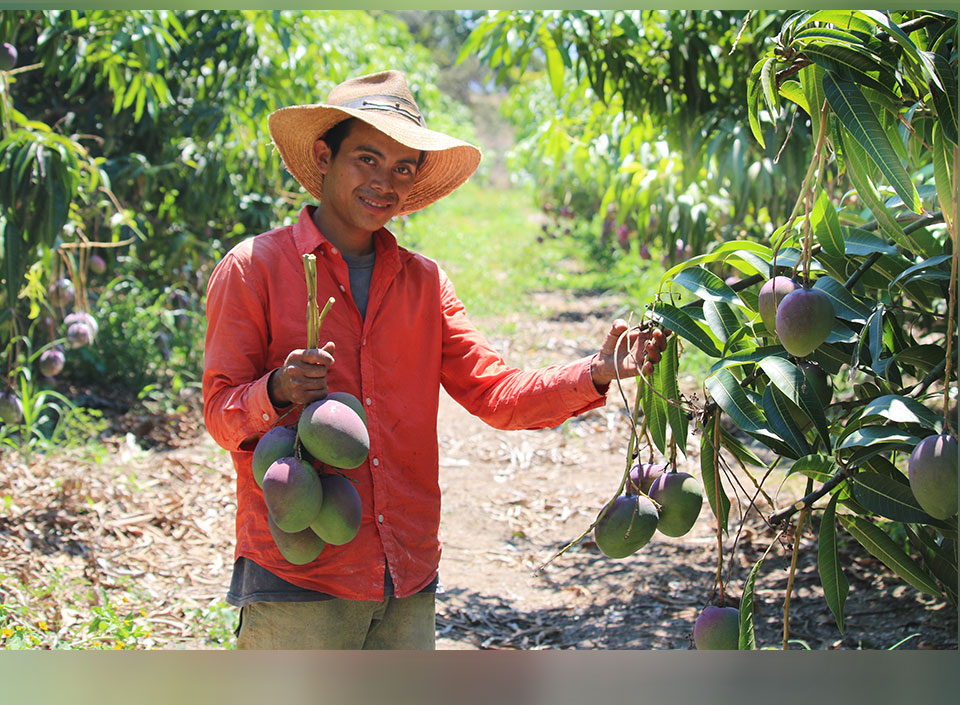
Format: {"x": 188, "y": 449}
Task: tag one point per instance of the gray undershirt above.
{"x": 361, "y": 272}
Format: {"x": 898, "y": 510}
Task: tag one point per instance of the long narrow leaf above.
{"x": 856, "y": 114}
{"x": 845, "y": 305}
{"x": 712, "y": 480}
{"x": 885, "y": 496}
{"x": 748, "y": 639}
{"x": 834, "y": 582}
{"x": 729, "y": 395}
{"x": 681, "y": 323}
{"x": 790, "y": 380}
{"x": 655, "y": 411}
{"x": 668, "y": 369}
{"x": 826, "y": 226}
{"x": 882, "y": 547}
{"x": 778, "y": 412}
{"x": 707, "y": 285}
{"x": 858, "y": 169}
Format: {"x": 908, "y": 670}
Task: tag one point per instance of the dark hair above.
{"x": 335, "y": 136}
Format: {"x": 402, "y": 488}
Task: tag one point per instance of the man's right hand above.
{"x": 302, "y": 378}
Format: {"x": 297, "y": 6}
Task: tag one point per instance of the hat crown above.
{"x": 386, "y": 90}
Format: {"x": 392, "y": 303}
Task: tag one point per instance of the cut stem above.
{"x": 310, "y": 273}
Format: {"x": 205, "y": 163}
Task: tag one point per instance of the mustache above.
{"x": 390, "y": 200}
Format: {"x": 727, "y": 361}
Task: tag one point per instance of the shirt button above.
{"x": 266, "y": 417}
{"x": 376, "y": 462}
{"x": 368, "y": 401}
{"x": 363, "y": 342}
{"x": 380, "y": 518}
{"x": 342, "y": 288}
{"x": 333, "y": 250}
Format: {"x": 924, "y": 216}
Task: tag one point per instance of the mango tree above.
{"x": 872, "y": 234}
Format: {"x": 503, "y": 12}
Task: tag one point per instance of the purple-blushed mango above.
{"x": 341, "y": 512}
{"x": 334, "y": 434}
{"x": 11, "y": 409}
{"x": 627, "y": 525}
{"x": 771, "y": 294}
{"x": 85, "y": 318}
{"x": 51, "y": 362}
{"x": 276, "y": 443}
{"x": 351, "y": 401}
{"x": 98, "y": 265}
{"x": 717, "y": 628}
{"x": 932, "y": 469}
{"x": 293, "y": 494}
{"x": 805, "y": 318}
{"x": 78, "y": 335}
{"x": 680, "y": 498}
{"x": 642, "y": 476}
{"x": 299, "y": 547}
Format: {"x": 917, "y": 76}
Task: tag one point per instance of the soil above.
{"x": 149, "y": 518}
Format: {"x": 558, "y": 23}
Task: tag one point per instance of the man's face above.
{"x": 365, "y": 185}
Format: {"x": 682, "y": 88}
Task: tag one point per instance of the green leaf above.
{"x": 754, "y": 98}
{"x": 707, "y": 285}
{"x": 729, "y": 395}
{"x": 845, "y": 305}
{"x": 923, "y": 357}
{"x": 863, "y": 243}
{"x": 945, "y": 99}
{"x": 942, "y": 161}
{"x": 858, "y": 169}
{"x": 712, "y": 479}
{"x": 901, "y": 410}
{"x": 882, "y": 547}
{"x": 926, "y": 64}
{"x": 721, "y": 320}
{"x": 811, "y": 78}
{"x": 826, "y": 226}
{"x": 554, "y": 62}
{"x": 738, "y": 449}
{"x": 849, "y": 63}
{"x": 790, "y": 380}
{"x": 748, "y": 640}
{"x": 768, "y": 86}
{"x": 819, "y": 467}
{"x": 748, "y": 357}
{"x": 885, "y": 496}
{"x": 834, "y": 582}
{"x": 682, "y": 324}
{"x": 875, "y": 435}
{"x": 779, "y": 416}
{"x": 667, "y": 371}
{"x": 857, "y": 115}
{"x": 655, "y": 411}
{"x": 909, "y": 273}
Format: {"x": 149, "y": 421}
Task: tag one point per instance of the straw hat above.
{"x": 384, "y": 101}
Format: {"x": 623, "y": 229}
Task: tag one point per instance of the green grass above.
{"x": 486, "y": 241}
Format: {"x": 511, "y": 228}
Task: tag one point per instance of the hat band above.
{"x": 387, "y": 103}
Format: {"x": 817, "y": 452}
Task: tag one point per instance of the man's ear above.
{"x": 322, "y": 155}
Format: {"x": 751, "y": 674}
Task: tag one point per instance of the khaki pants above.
{"x": 394, "y": 623}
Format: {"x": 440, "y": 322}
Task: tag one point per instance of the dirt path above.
{"x": 153, "y": 530}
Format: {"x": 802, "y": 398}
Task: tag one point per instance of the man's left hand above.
{"x": 637, "y": 354}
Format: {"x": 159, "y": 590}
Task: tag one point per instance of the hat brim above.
{"x": 448, "y": 161}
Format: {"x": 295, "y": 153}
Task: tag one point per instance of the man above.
{"x": 395, "y": 335}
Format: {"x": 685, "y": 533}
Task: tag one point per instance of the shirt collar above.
{"x": 308, "y": 237}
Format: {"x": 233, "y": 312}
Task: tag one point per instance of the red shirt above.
{"x": 415, "y": 337}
